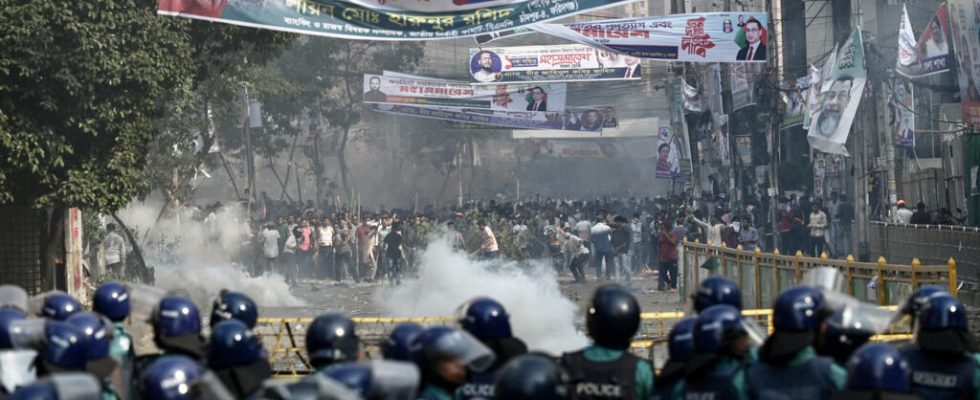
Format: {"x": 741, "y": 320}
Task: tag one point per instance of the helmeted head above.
{"x": 918, "y": 299}
{"x": 531, "y": 377}
{"x": 234, "y": 305}
{"x": 716, "y": 328}
{"x": 717, "y": 290}
{"x": 7, "y": 317}
{"x": 377, "y": 379}
{"x": 444, "y": 354}
{"x": 99, "y": 331}
{"x": 65, "y": 347}
{"x": 680, "y": 348}
{"x": 59, "y": 306}
{"x": 398, "y": 345}
{"x": 233, "y": 344}
{"x": 942, "y": 326}
{"x": 170, "y": 378}
{"x": 177, "y": 326}
{"x": 330, "y": 339}
{"x": 112, "y": 300}
{"x": 613, "y": 317}
{"x": 798, "y": 309}
{"x": 484, "y": 318}
{"x": 877, "y": 367}
{"x": 843, "y": 333}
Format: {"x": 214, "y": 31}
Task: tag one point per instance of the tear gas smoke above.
{"x": 198, "y": 254}
{"x": 539, "y": 313}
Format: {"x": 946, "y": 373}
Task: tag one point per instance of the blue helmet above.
{"x": 98, "y": 331}
{"x": 877, "y": 367}
{"x": 356, "y": 376}
{"x": 331, "y": 338}
{"x": 613, "y": 317}
{"x": 65, "y": 347}
{"x": 485, "y": 318}
{"x": 233, "y": 344}
{"x": 8, "y": 315}
{"x": 170, "y": 378}
{"x": 531, "y": 377}
{"x": 176, "y": 316}
{"x": 717, "y": 290}
{"x": 798, "y": 309}
{"x": 440, "y": 343}
{"x": 59, "y": 306}
{"x": 843, "y": 334}
{"x": 680, "y": 340}
{"x": 943, "y": 313}
{"x": 914, "y": 303}
{"x": 716, "y": 328}
{"x": 234, "y": 305}
{"x": 399, "y": 343}
{"x": 112, "y": 300}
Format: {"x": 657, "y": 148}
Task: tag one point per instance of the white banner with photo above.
{"x": 840, "y": 97}
{"x": 931, "y": 54}
{"x": 429, "y": 92}
{"x": 558, "y": 63}
{"x": 639, "y": 148}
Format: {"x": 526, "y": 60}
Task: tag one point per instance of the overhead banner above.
{"x": 388, "y": 20}
{"x": 419, "y": 91}
{"x": 967, "y": 48}
{"x": 700, "y": 37}
{"x": 794, "y": 103}
{"x": 640, "y": 148}
{"x": 901, "y": 103}
{"x": 840, "y": 96}
{"x": 574, "y": 120}
{"x": 560, "y": 63}
{"x": 931, "y": 55}
{"x": 504, "y": 119}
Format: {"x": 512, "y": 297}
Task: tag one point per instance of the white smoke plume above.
{"x": 199, "y": 254}
{"x": 539, "y": 313}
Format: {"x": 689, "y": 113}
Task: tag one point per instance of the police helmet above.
{"x": 843, "y": 333}
{"x": 69, "y": 385}
{"x": 13, "y": 296}
{"x": 377, "y": 379}
{"x": 613, "y": 317}
{"x": 8, "y": 315}
{"x": 717, "y": 290}
{"x": 877, "y": 367}
{"x": 914, "y": 303}
{"x": 59, "y": 306}
{"x": 942, "y": 326}
{"x": 170, "y": 378}
{"x": 112, "y": 300}
{"x": 798, "y": 309}
{"x": 680, "y": 340}
{"x": 234, "y": 305}
{"x": 442, "y": 343}
{"x": 99, "y": 332}
{"x": 485, "y": 318}
{"x": 233, "y": 344}
{"x": 65, "y": 347}
{"x": 531, "y": 377}
{"x": 399, "y": 342}
{"x": 716, "y": 328}
{"x": 177, "y": 325}
{"x": 331, "y": 338}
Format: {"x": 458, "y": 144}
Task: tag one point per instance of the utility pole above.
{"x": 249, "y": 159}
{"x": 772, "y": 132}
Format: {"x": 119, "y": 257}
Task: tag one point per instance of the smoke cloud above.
{"x": 539, "y": 313}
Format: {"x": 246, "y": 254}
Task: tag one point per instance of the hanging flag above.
{"x": 840, "y": 96}
{"x": 816, "y": 85}
{"x": 931, "y": 55}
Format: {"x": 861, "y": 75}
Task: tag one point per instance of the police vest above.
{"x": 478, "y": 387}
{"x": 939, "y": 378}
{"x": 809, "y": 380}
{"x": 714, "y": 385}
{"x": 596, "y": 380}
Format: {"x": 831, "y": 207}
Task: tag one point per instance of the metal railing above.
{"x": 762, "y": 276}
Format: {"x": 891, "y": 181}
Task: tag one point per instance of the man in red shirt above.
{"x": 204, "y": 8}
{"x": 667, "y": 255}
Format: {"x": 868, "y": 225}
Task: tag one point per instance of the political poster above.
{"x": 901, "y": 103}
{"x": 816, "y": 84}
{"x": 637, "y": 148}
{"x": 964, "y": 30}
{"x": 420, "y": 91}
{"x": 500, "y": 119}
{"x": 574, "y": 120}
{"x": 742, "y": 85}
{"x": 929, "y": 56}
{"x": 794, "y": 104}
{"x": 386, "y": 20}
{"x": 730, "y": 37}
{"x": 840, "y": 96}
{"x": 668, "y": 154}
{"x": 559, "y": 63}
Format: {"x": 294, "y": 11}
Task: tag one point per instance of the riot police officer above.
{"x": 722, "y": 341}
{"x": 58, "y": 305}
{"x": 177, "y": 327}
{"x": 98, "y": 330}
{"x": 916, "y": 301}
{"x": 234, "y": 305}
{"x": 488, "y": 321}
{"x": 65, "y": 349}
{"x": 398, "y": 345}
{"x": 111, "y": 299}
{"x": 331, "y": 339}
{"x": 876, "y": 372}
{"x": 716, "y": 290}
{"x": 941, "y": 359}
{"x": 680, "y": 350}
{"x": 606, "y": 369}
{"x": 170, "y": 377}
{"x": 443, "y": 356}
{"x": 843, "y": 332}
{"x": 531, "y": 377}
{"x": 788, "y": 365}
{"x": 378, "y": 379}
{"x": 236, "y": 356}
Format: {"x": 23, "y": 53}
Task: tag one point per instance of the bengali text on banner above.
{"x": 557, "y": 63}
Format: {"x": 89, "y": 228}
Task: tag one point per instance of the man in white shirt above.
{"x": 270, "y": 247}
{"x": 324, "y": 249}
{"x": 485, "y": 73}
{"x": 903, "y": 215}
{"x": 818, "y": 228}
{"x": 489, "y": 249}
{"x": 114, "y": 249}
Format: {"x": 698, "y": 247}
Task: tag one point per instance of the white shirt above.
{"x": 114, "y": 247}
{"x": 270, "y": 246}
{"x": 489, "y": 240}
{"x": 903, "y": 216}
{"x": 484, "y": 76}
{"x": 326, "y": 235}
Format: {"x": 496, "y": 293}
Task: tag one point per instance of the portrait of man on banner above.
{"x": 834, "y": 102}
{"x": 754, "y": 48}
{"x": 374, "y": 93}
{"x": 668, "y": 154}
{"x": 485, "y": 66}
{"x": 902, "y": 117}
{"x": 537, "y": 99}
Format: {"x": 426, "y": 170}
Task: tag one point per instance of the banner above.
{"x": 701, "y": 37}
{"x": 742, "y": 85}
{"x": 678, "y": 123}
{"x": 626, "y": 128}
{"x": 743, "y": 145}
{"x": 640, "y": 148}
{"x": 400, "y": 20}
{"x": 417, "y": 91}
{"x": 561, "y": 63}
{"x": 794, "y": 105}
{"x": 691, "y": 95}
{"x": 901, "y": 104}
{"x": 506, "y": 119}
{"x": 816, "y": 85}
{"x": 967, "y": 48}
{"x": 574, "y": 120}
{"x": 931, "y": 55}
{"x": 668, "y": 154}
{"x": 840, "y": 96}
{"x": 719, "y": 120}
